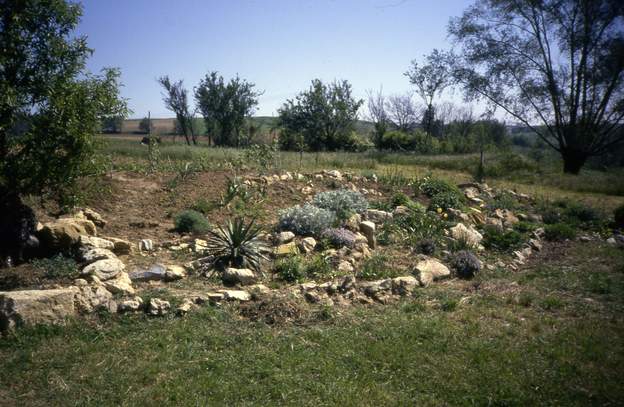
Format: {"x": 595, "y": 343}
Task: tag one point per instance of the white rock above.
{"x": 308, "y": 244}
{"x": 96, "y": 242}
{"x": 31, "y": 307}
{"x": 132, "y": 305}
{"x": 90, "y": 255}
{"x": 433, "y": 267}
{"x": 239, "y": 276}
{"x": 285, "y": 237}
{"x": 235, "y": 295}
{"x": 146, "y": 245}
{"x": 368, "y": 229}
{"x": 469, "y": 235}
{"x": 404, "y": 285}
{"x": 105, "y": 269}
{"x": 378, "y": 216}
{"x": 121, "y": 284}
{"x": 173, "y": 272}
{"x": 158, "y": 307}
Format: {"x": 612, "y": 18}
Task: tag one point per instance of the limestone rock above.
{"x": 146, "y": 245}
{"x": 173, "y": 272}
{"x": 378, "y": 216}
{"x": 535, "y": 244}
{"x": 97, "y": 242}
{"x": 285, "y": 237}
{"x": 121, "y": 284}
{"x": 239, "y": 276}
{"x": 468, "y": 234}
{"x": 236, "y": 295}
{"x": 368, "y": 229}
{"x": 121, "y": 246}
{"x": 308, "y": 244}
{"x": 90, "y": 298}
{"x": 94, "y": 217}
{"x": 345, "y": 267}
{"x": 158, "y": 307}
{"x": 433, "y": 267}
{"x": 286, "y": 249}
{"x": 132, "y": 305}
{"x": 404, "y": 285}
{"x": 31, "y": 307}
{"x": 334, "y": 174}
{"x": 88, "y": 255}
{"x": 156, "y": 272}
{"x": 400, "y": 211}
{"x": 105, "y": 269}
{"x": 61, "y": 235}
{"x": 425, "y": 278}
{"x": 186, "y": 305}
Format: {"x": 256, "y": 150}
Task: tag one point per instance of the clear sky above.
{"x": 280, "y": 45}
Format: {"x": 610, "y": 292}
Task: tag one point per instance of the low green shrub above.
{"x": 504, "y": 200}
{"x": 306, "y": 220}
{"x": 573, "y": 213}
{"x": 524, "y": 227}
{"x": 445, "y": 201}
{"x": 377, "y": 267}
{"x": 319, "y": 267}
{"x": 342, "y": 202}
{"x": 57, "y": 267}
{"x": 559, "y": 232}
{"x": 433, "y": 186}
{"x": 400, "y": 199}
{"x": 290, "y": 269}
{"x": 494, "y": 238}
{"x": 412, "y": 227}
{"x": 191, "y": 221}
{"x": 203, "y": 206}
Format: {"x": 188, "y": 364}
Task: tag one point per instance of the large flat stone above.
{"x": 32, "y": 307}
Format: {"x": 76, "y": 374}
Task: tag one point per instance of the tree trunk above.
{"x": 573, "y": 161}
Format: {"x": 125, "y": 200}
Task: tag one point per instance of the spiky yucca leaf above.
{"x": 238, "y": 245}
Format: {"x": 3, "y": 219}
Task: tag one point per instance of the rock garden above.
{"x": 324, "y": 239}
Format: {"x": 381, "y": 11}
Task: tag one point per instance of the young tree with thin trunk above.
{"x": 431, "y": 78}
{"x": 378, "y": 115}
{"x": 555, "y": 65}
{"x": 402, "y": 112}
{"x": 176, "y": 100}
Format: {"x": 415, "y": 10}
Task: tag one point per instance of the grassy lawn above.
{"x": 550, "y": 334}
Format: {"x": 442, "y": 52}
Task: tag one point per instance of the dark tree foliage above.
{"x": 50, "y": 108}
{"x": 226, "y": 107}
{"x": 176, "y": 100}
{"x": 112, "y": 124}
{"x": 555, "y": 65}
{"x": 323, "y": 117}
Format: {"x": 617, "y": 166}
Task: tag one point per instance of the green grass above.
{"x": 555, "y": 339}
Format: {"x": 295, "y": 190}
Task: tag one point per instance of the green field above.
{"x": 549, "y": 335}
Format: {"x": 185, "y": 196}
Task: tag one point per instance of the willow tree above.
{"x": 554, "y": 65}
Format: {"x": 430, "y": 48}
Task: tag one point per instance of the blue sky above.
{"x": 279, "y": 45}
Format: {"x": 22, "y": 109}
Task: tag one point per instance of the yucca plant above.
{"x": 238, "y": 245}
